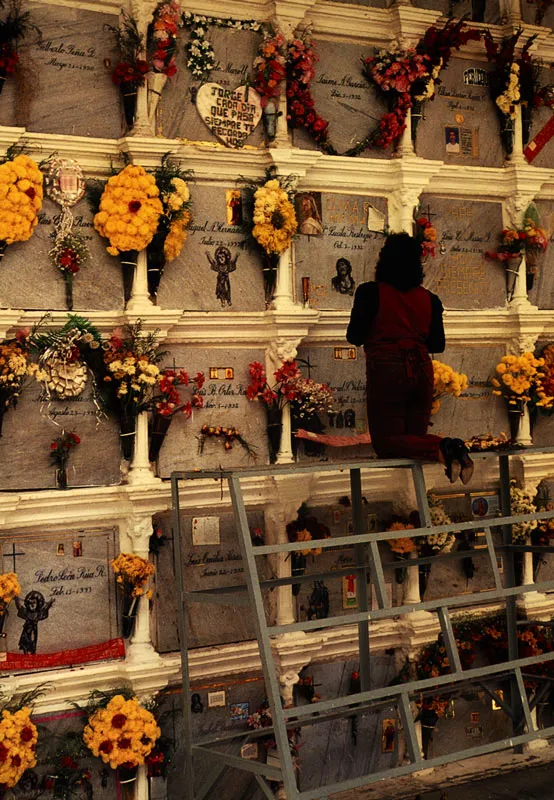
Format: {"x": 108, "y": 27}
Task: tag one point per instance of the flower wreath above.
{"x": 200, "y": 54}
{"x": 404, "y": 79}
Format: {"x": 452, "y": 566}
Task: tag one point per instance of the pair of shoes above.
{"x": 452, "y": 466}
{"x": 466, "y": 463}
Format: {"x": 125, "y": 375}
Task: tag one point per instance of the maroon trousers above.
{"x": 399, "y": 400}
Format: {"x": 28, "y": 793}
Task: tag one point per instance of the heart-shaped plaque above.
{"x": 230, "y": 114}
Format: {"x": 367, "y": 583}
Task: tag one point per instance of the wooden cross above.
{"x": 13, "y": 555}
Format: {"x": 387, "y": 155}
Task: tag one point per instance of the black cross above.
{"x": 13, "y": 555}
{"x": 305, "y": 362}
{"x": 429, "y": 215}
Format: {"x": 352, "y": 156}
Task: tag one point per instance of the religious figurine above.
{"x": 349, "y": 418}
{"x": 33, "y": 609}
{"x": 235, "y": 207}
{"x": 223, "y": 263}
{"x": 343, "y": 282}
{"x": 196, "y": 704}
{"x": 309, "y": 216}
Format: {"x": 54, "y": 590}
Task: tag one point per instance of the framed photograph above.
{"x": 308, "y": 212}
{"x": 475, "y": 717}
{"x": 388, "y": 735}
{"x": 234, "y": 207}
{"x": 452, "y": 139}
{"x": 240, "y": 711}
{"x": 216, "y": 699}
{"x": 484, "y": 505}
{"x": 350, "y": 591}
{"x": 249, "y": 751}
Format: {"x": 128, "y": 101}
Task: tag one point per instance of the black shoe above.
{"x": 466, "y": 463}
{"x": 452, "y": 466}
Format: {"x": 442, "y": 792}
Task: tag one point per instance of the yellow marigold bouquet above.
{"x": 274, "y": 222}
{"x": 171, "y": 232}
{"x": 130, "y": 210}
{"x": 18, "y": 739}
{"x": 520, "y": 380}
{"x": 402, "y": 546}
{"x": 20, "y": 199}
{"x": 446, "y": 381}
{"x": 132, "y": 573}
{"x": 9, "y": 588}
{"x": 122, "y": 734}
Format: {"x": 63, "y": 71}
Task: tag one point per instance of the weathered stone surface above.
{"x": 73, "y": 49}
{"x": 177, "y": 116}
{"x": 462, "y": 276}
{"x": 27, "y": 434}
{"x": 30, "y": 280}
{"x": 345, "y": 237}
{"x": 477, "y": 410}
{"x": 462, "y": 103}
{"x": 344, "y": 98}
{"x": 529, "y": 12}
{"x": 82, "y": 587}
{"x": 225, "y": 404}
{"x": 189, "y": 281}
{"x": 205, "y": 567}
{"x": 463, "y": 8}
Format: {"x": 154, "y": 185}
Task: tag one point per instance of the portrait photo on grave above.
{"x": 308, "y": 212}
{"x": 234, "y": 207}
{"x": 343, "y": 282}
{"x": 452, "y": 139}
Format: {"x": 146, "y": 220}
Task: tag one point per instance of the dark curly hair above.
{"x": 399, "y": 262}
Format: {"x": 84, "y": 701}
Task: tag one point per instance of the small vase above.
{"x": 61, "y": 478}
{"x": 511, "y": 267}
{"x": 526, "y": 119}
{"x": 127, "y": 426}
{"x": 128, "y": 615}
{"x": 128, "y": 261}
{"x": 68, "y": 278}
{"x": 128, "y": 92}
{"x": 127, "y": 782}
{"x": 514, "y": 415}
{"x": 3, "y": 617}
{"x": 155, "y": 258}
{"x": 274, "y": 431}
{"x": 507, "y": 135}
{"x": 424, "y": 575}
{"x": 270, "y": 265}
{"x": 155, "y": 82}
{"x": 297, "y": 567}
{"x": 159, "y": 428}
{"x": 416, "y": 116}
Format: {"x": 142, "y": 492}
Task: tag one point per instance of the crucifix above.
{"x": 13, "y": 555}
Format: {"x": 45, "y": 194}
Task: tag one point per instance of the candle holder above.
{"x": 306, "y": 291}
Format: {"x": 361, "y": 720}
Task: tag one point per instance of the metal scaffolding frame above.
{"x": 368, "y": 560}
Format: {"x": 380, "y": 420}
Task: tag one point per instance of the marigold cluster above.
{"x": 177, "y": 236}
{"x": 14, "y": 368}
{"x": 9, "y": 587}
{"x": 132, "y": 572}
{"x": 446, "y": 381}
{"x": 274, "y": 218}
{"x": 518, "y": 378}
{"x": 510, "y": 98}
{"x": 130, "y": 209}
{"x": 122, "y": 734}
{"x": 20, "y": 199}
{"x": 402, "y": 546}
{"x": 18, "y": 739}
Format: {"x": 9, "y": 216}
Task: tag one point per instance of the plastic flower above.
{"x": 130, "y": 210}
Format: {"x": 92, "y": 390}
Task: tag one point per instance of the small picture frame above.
{"x": 388, "y": 735}
{"x": 240, "y": 711}
{"x": 77, "y": 549}
{"x": 474, "y": 731}
{"x": 484, "y": 505}
{"x": 475, "y": 717}
{"x": 350, "y": 591}
{"x": 216, "y": 699}
{"x": 496, "y": 706}
{"x": 60, "y": 550}
{"x": 249, "y": 751}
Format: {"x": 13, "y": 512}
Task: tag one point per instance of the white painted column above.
{"x": 140, "y": 302}
{"x": 411, "y": 584}
{"x": 283, "y": 295}
{"x": 140, "y": 472}
{"x": 285, "y": 451}
{"x": 405, "y": 145}
{"x": 140, "y": 648}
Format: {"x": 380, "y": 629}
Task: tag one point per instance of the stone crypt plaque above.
{"x": 342, "y": 366}
{"x": 27, "y": 435}
{"x": 477, "y": 410}
{"x": 205, "y": 567}
{"x": 67, "y": 599}
{"x": 68, "y": 88}
{"x": 334, "y": 248}
{"x": 215, "y": 271}
{"x": 459, "y": 273}
{"x": 460, "y": 125}
{"x": 225, "y": 404}
{"x": 542, "y": 293}
{"x": 178, "y": 116}
{"x": 31, "y": 281}
{"x": 344, "y": 98}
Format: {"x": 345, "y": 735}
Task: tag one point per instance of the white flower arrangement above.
{"x": 521, "y": 502}
{"x": 440, "y": 542}
{"x": 200, "y": 54}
